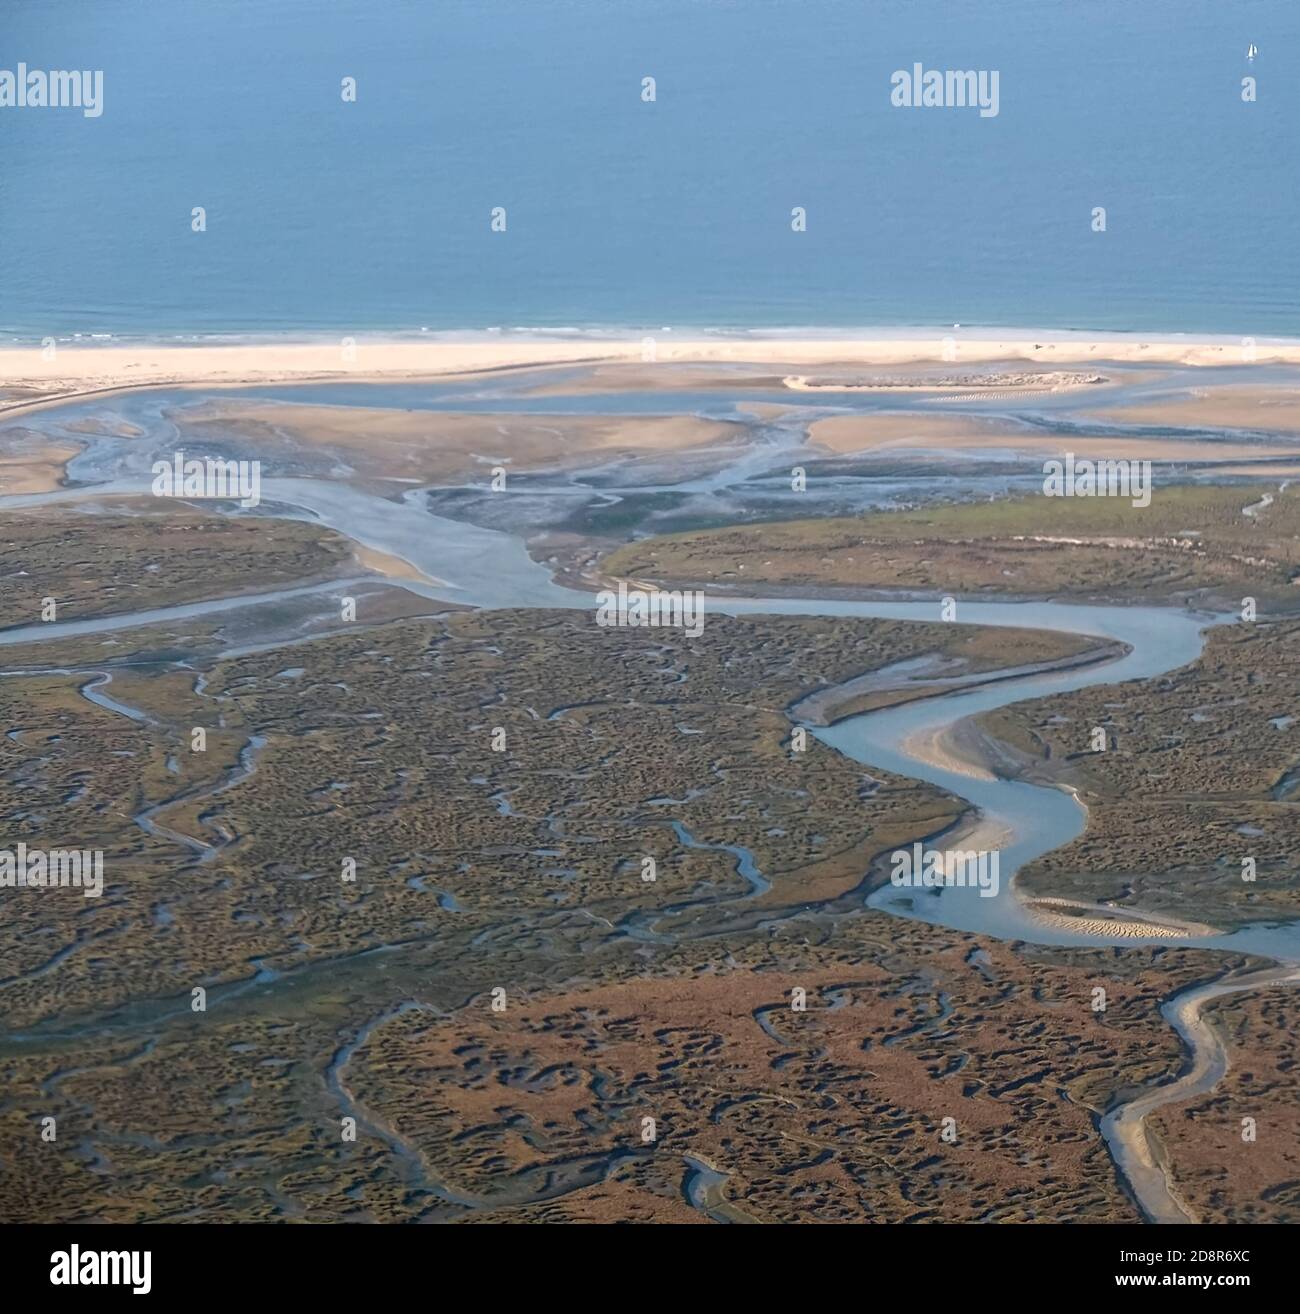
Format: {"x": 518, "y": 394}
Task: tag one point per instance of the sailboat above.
{"x": 1252, "y": 50}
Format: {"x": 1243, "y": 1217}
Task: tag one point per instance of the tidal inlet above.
{"x": 566, "y": 665}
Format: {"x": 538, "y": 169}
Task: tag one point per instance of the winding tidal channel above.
{"x": 492, "y": 569}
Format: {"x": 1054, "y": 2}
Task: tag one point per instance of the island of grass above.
{"x": 1210, "y": 545}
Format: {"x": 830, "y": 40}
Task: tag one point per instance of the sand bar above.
{"x": 1229, "y": 408}
{"x": 39, "y": 470}
{"x": 921, "y": 431}
{"x": 76, "y": 370}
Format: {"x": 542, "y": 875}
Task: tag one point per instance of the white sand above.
{"x": 81, "y": 369}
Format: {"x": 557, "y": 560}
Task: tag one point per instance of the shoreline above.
{"x": 598, "y": 333}
{"x": 80, "y": 370}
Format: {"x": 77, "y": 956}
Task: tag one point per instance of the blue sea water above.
{"x": 324, "y": 216}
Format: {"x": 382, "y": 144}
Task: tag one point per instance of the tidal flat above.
{"x": 559, "y": 913}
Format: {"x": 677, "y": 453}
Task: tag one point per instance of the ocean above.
{"x": 327, "y": 216}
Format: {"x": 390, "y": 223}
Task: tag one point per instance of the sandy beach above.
{"x": 28, "y": 379}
